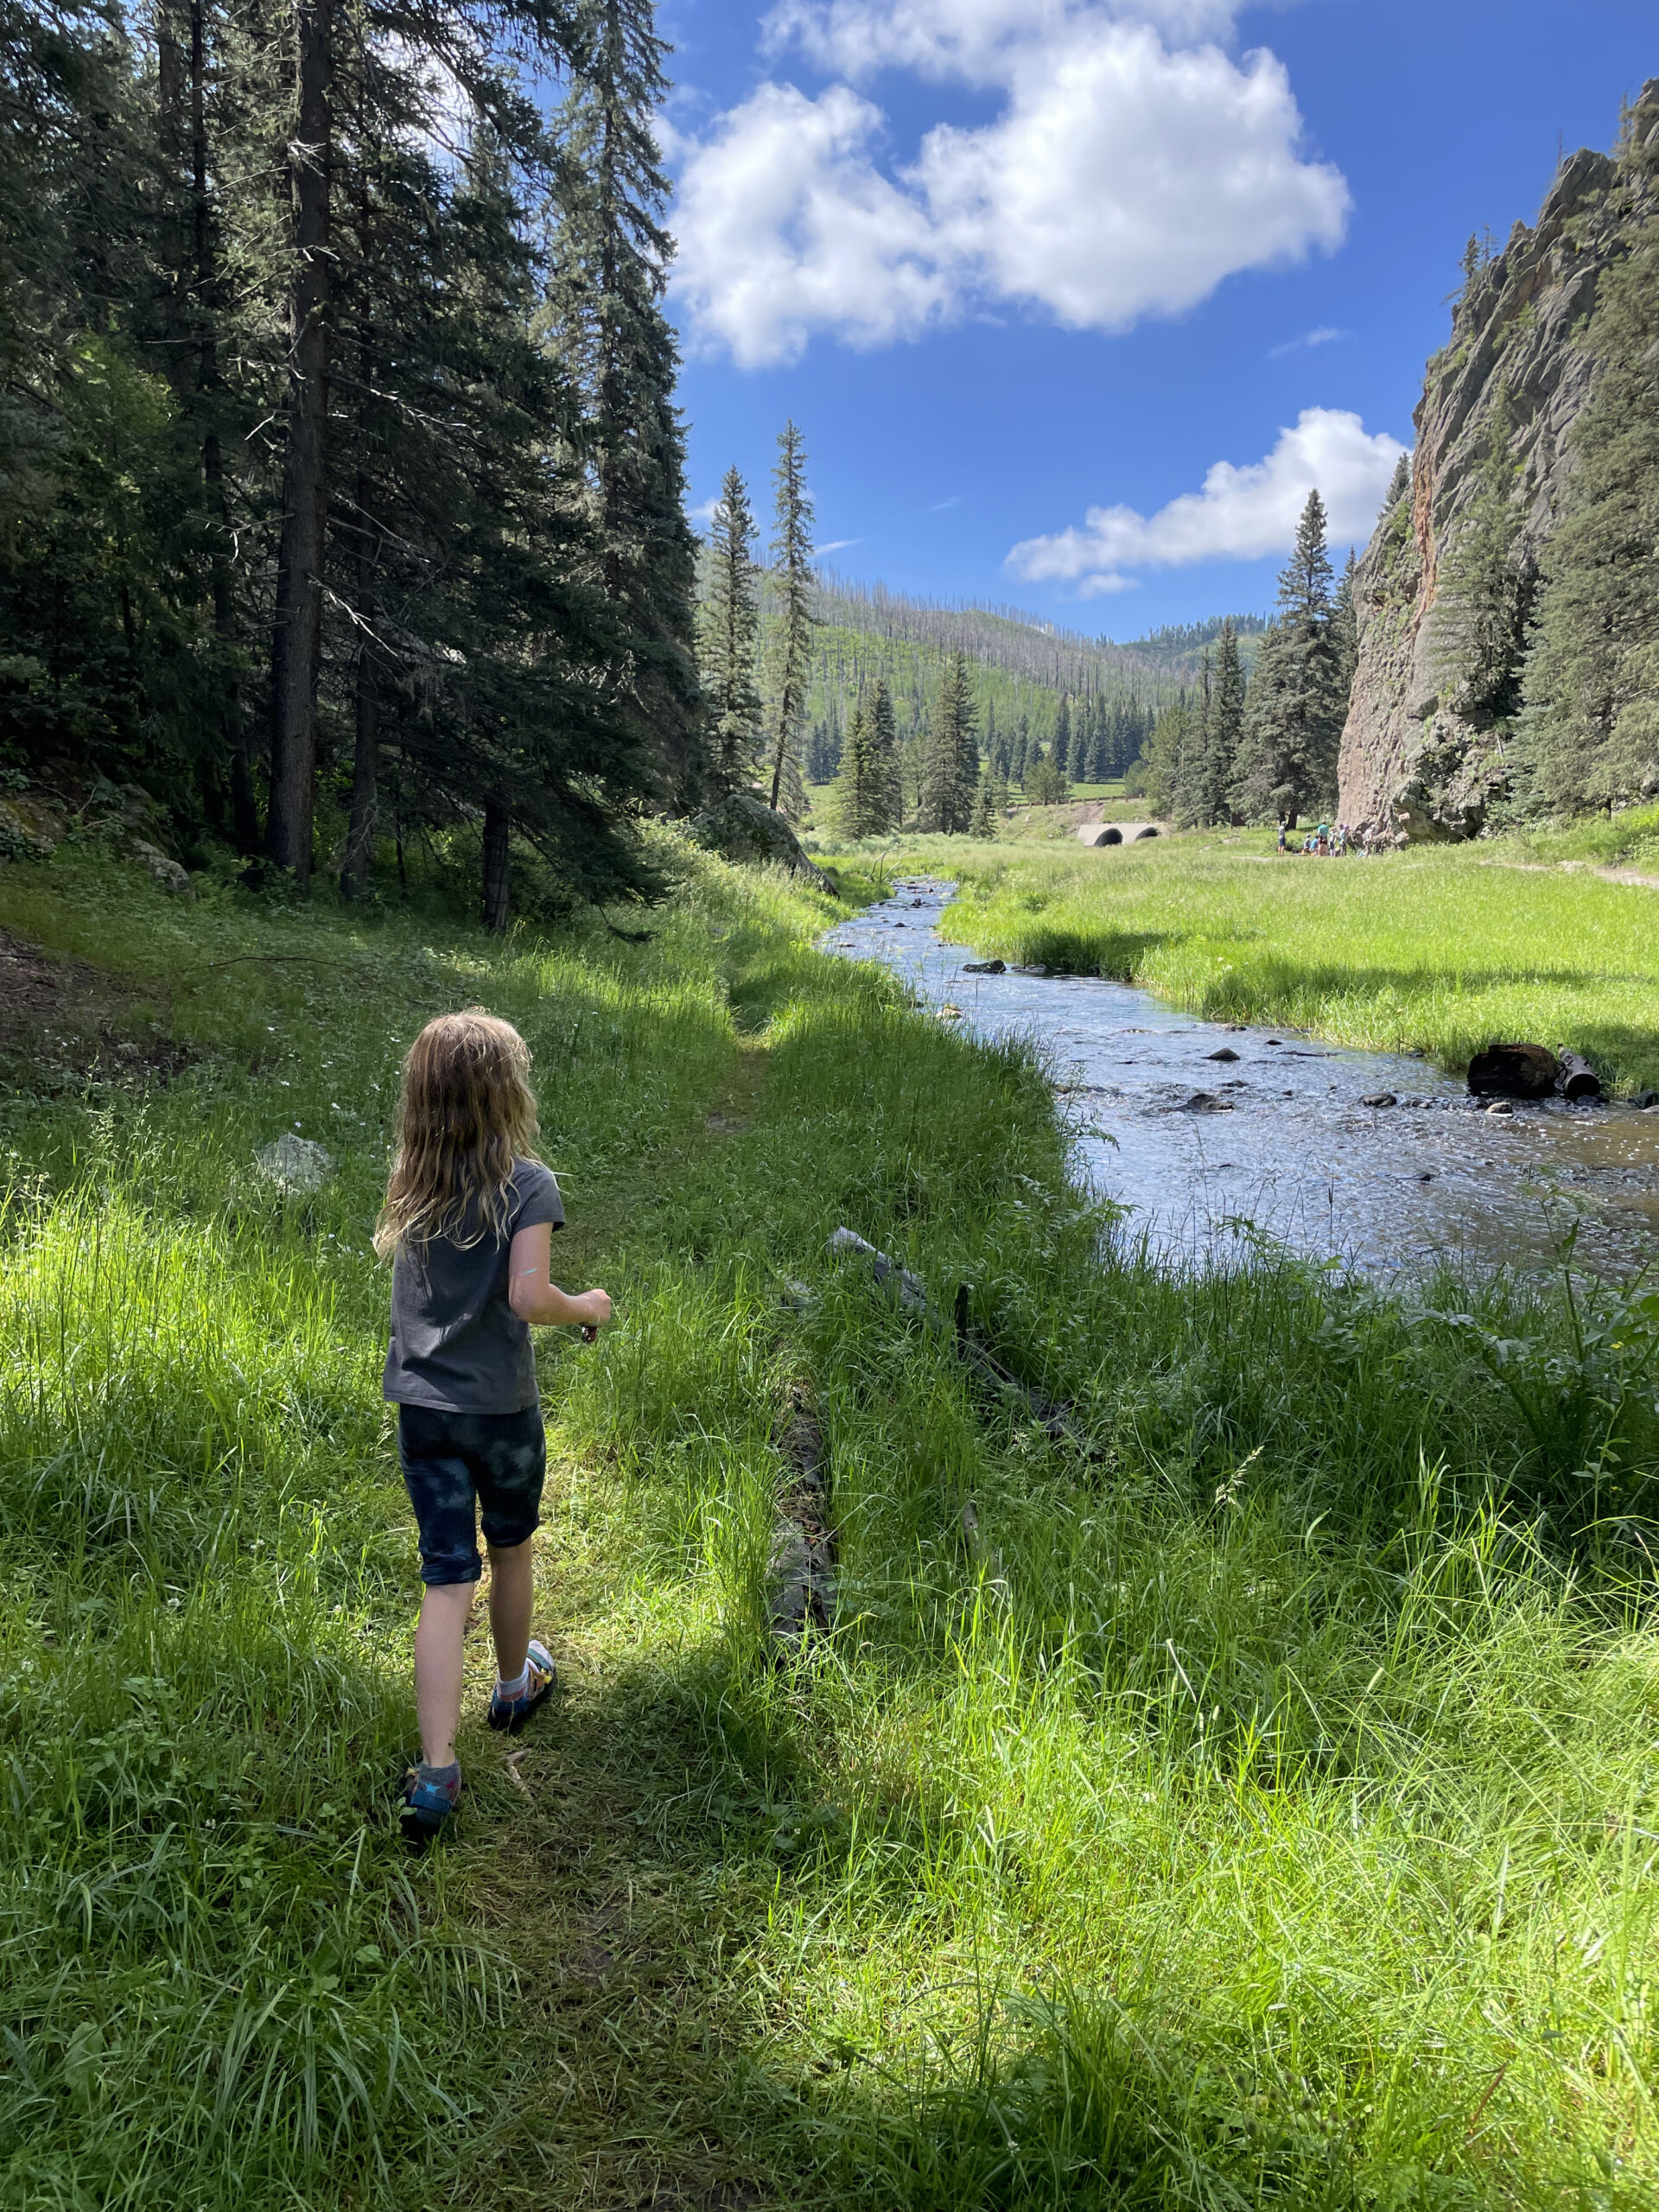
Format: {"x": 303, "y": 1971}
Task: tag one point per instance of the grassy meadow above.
{"x": 1440, "y": 950}
{"x": 1256, "y": 1802}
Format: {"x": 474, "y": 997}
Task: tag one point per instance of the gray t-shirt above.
{"x": 456, "y": 1343}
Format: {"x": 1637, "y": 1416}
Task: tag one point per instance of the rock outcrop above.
{"x": 1423, "y": 752}
{"x": 744, "y": 828}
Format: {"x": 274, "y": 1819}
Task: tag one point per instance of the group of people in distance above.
{"x": 1326, "y": 843}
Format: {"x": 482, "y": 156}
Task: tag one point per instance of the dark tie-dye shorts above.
{"x": 461, "y": 1468}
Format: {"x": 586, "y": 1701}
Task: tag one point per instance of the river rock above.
{"x": 1205, "y": 1101}
{"x": 1225, "y": 1053}
{"x": 296, "y": 1163}
{"x": 1514, "y": 1072}
{"x": 984, "y": 968}
{"x": 743, "y": 827}
{"x": 1500, "y": 1106}
{"x": 1380, "y": 1098}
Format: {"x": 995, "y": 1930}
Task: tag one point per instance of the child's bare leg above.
{"x": 438, "y": 1660}
{"x": 512, "y": 1591}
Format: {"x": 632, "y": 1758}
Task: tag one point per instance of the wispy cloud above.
{"x": 939, "y": 507}
{"x": 837, "y": 545}
{"x": 704, "y": 515}
{"x": 1325, "y": 336}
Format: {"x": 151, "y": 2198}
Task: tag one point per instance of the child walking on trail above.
{"x": 467, "y": 1225}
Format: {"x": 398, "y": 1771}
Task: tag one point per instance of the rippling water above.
{"x": 1212, "y": 1135}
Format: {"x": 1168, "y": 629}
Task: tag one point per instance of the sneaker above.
{"x": 511, "y": 1712}
{"x": 427, "y": 1803}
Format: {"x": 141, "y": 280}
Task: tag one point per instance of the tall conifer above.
{"x": 1293, "y": 716}
{"x": 792, "y": 557}
{"x": 610, "y": 254}
{"x": 951, "y": 762}
{"x": 729, "y": 634}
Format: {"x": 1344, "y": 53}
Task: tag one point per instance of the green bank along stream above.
{"x": 1214, "y": 1137}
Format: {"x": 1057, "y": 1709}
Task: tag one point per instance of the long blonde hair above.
{"x": 467, "y": 1113}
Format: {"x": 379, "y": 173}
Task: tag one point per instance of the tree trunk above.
{"x": 296, "y": 637}
{"x": 366, "y": 764}
{"x": 498, "y": 824}
{"x": 245, "y": 813}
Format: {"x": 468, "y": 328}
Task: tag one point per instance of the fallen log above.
{"x": 1054, "y": 1418}
{"x": 800, "y": 1571}
{"x": 1514, "y": 1072}
{"x": 1578, "y": 1079}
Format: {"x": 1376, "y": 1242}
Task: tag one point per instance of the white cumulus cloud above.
{"x": 1123, "y": 177}
{"x": 787, "y": 226}
{"x": 1240, "y": 514}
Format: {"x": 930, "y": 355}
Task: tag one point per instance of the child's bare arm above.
{"x": 533, "y": 1295}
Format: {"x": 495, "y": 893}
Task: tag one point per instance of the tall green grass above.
{"x": 1258, "y": 1805}
{"x": 1441, "y": 949}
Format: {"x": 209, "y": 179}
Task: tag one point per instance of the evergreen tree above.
{"x": 888, "y": 784}
{"x": 1060, "y": 751}
{"x": 862, "y": 803}
{"x": 791, "y": 556}
{"x": 1593, "y": 679}
{"x": 610, "y": 254}
{"x": 1345, "y": 629}
{"x": 1045, "y": 784}
{"x": 983, "y": 820}
{"x": 728, "y": 638}
{"x": 1293, "y": 716}
{"x": 1223, "y": 727}
{"x": 1177, "y": 736}
{"x": 950, "y": 764}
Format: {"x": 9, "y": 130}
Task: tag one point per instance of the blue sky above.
{"x": 1026, "y": 272}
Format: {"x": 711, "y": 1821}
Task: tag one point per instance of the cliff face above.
{"x": 1423, "y": 751}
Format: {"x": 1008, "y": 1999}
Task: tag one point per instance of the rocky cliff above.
{"x": 1425, "y": 751}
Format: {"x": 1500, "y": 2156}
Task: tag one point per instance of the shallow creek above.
{"x": 1213, "y": 1135}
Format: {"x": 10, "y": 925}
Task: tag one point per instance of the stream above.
{"x": 1214, "y": 1136}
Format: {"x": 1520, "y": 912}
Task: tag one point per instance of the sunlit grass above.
{"x": 1258, "y": 1806}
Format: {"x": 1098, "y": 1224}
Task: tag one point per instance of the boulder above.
{"x": 743, "y": 827}
{"x": 166, "y": 870}
{"x": 1514, "y": 1072}
{"x": 296, "y": 1163}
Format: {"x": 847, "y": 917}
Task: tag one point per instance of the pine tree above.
{"x": 1345, "y": 629}
{"x": 950, "y": 763}
{"x": 887, "y": 785}
{"x": 1593, "y": 679}
{"x": 792, "y": 556}
{"x": 1060, "y": 751}
{"x": 296, "y": 617}
{"x": 983, "y": 820}
{"x": 610, "y": 254}
{"x": 728, "y": 636}
{"x": 1293, "y": 716}
{"x": 860, "y": 800}
{"x": 1223, "y": 728}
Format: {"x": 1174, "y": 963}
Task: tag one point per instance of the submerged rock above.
{"x": 1225, "y": 1053}
{"x": 984, "y": 968}
{"x": 1380, "y": 1098}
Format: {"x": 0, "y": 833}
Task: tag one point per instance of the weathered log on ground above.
{"x": 1578, "y": 1079}
{"x": 800, "y": 1573}
{"x": 1514, "y": 1072}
